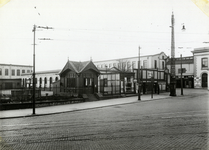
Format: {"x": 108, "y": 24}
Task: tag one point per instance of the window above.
{"x": 134, "y": 65}
{"x": 45, "y": 80}
{"x": 110, "y": 65}
{"x": 105, "y": 82}
{"x": 0, "y": 72}
{"x": 40, "y": 81}
{"x": 23, "y": 71}
{"x": 145, "y": 64}
{"x": 163, "y": 65}
{"x": 204, "y": 63}
{"x": 86, "y": 82}
{"x": 6, "y": 72}
{"x": 128, "y": 66}
{"x": 18, "y": 72}
{"x": 28, "y": 71}
{"x": 13, "y": 72}
{"x": 155, "y": 64}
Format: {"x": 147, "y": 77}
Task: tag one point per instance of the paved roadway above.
{"x": 176, "y": 123}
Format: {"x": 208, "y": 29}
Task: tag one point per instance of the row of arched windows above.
{"x": 42, "y": 81}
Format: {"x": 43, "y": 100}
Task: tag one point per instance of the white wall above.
{"x": 198, "y": 71}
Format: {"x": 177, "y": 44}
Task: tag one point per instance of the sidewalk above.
{"x": 78, "y": 106}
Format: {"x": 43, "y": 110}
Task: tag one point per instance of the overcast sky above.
{"x": 97, "y": 29}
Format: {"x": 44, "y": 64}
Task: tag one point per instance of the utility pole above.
{"x": 181, "y": 77}
{"x": 34, "y": 73}
{"x": 173, "y": 72}
{"x": 139, "y": 84}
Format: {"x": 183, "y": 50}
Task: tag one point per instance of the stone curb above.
{"x": 44, "y": 114}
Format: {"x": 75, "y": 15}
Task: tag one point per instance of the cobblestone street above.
{"x": 177, "y": 123}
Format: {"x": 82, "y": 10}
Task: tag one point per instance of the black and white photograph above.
{"x": 104, "y": 74}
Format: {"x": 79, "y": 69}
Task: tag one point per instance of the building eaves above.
{"x": 15, "y": 65}
{"x": 128, "y": 58}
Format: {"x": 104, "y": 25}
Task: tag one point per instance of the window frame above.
{"x": 6, "y": 71}
{"x": 18, "y": 72}
{"x": 204, "y": 67}
{"x": 13, "y": 72}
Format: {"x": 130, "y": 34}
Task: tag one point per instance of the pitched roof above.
{"x": 79, "y": 67}
{"x": 200, "y": 50}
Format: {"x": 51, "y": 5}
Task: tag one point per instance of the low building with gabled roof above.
{"x": 78, "y": 78}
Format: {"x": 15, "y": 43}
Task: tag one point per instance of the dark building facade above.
{"x": 79, "y": 78}
{"x": 186, "y": 64}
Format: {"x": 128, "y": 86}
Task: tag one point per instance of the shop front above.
{"x": 188, "y": 81}
{"x": 152, "y": 80}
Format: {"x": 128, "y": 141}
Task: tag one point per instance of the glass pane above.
{"x": 155, "y": 74}
{"x": 144, "y": 74}
{"x": 162, "y": 75}
{"x": 109, "y": 83}
{"x": 117, "y": 83}
{"x": 113, "y": 76}
{"x": 117, "y": 77}
{"x": 109, "y": 76}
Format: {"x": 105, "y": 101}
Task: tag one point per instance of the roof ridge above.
{"x": 87, "y": 62}
{"x": 72, "y": 64}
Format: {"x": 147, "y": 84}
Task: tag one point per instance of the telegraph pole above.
{"x": 173, "y": 72}
{"x": 139, "y": 86}
{"x": 34, "y": 74}
{"x": 181, "y": 77}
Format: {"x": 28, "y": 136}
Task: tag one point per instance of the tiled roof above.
{"x": 79, "y": 67}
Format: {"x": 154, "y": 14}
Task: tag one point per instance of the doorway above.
{"x": 204, "y": 80}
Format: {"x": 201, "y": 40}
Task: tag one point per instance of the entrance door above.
{"x": 204, "y": 80}
{"x": 88, "y": 86}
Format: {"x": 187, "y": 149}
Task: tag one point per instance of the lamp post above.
{"x": 139, "y": 86}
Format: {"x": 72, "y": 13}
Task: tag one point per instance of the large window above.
{"x": 155, "y": 64}
{"x": 128, "y": 66}
{"x": 13, "y": 72}
{"x": 163, "y": 65}
{"x": 18, "y": 72}
{"x": 87, "y": 82}
{"x": 23, "y": 71}
{"x": 45, "y": 80}
{"x": 145, "y": 64}
{"x": 110, "y": 65}
{"x": 6, "y": 72}
{"x": 204, "y": 63}
{"x": 134, "y": 65}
